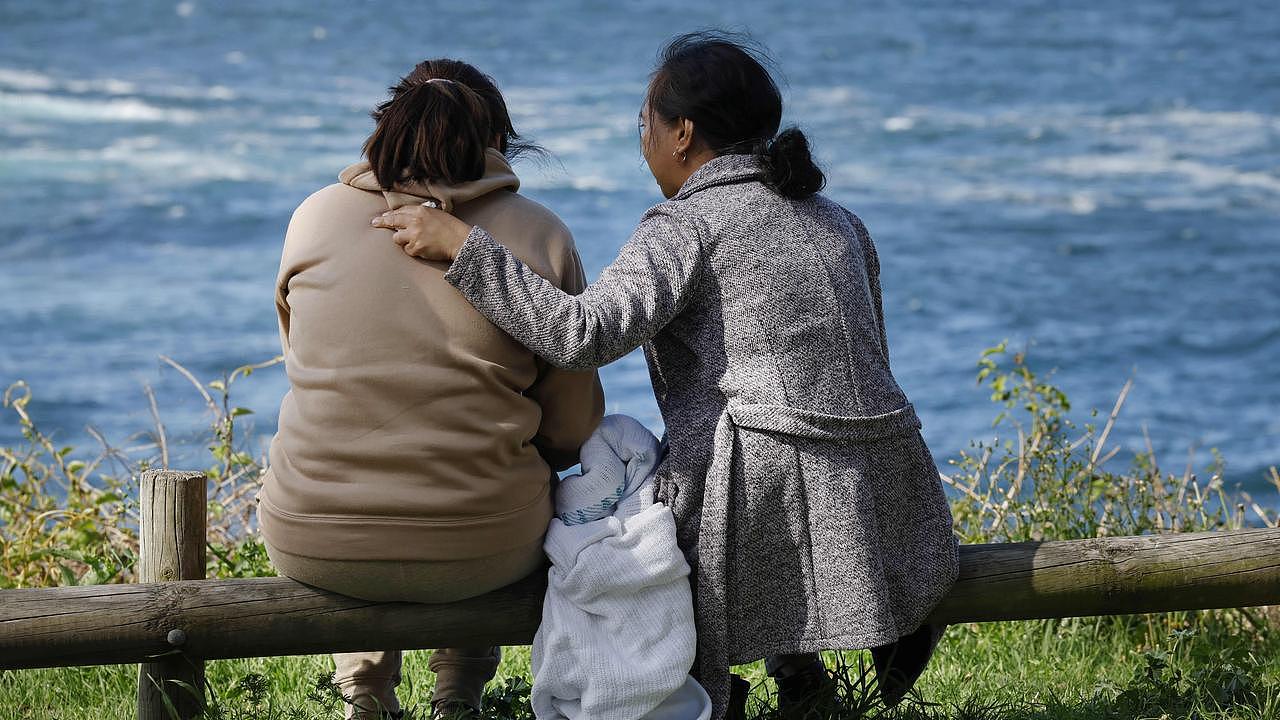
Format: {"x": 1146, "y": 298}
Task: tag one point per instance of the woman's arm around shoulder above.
{"x": 648, "y": 284}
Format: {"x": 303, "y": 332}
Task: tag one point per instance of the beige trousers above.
{"x": 369, "y": 679}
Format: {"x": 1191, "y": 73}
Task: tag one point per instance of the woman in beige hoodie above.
{"x": 418, "y": 442}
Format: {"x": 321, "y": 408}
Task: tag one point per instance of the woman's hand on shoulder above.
{"x": 425, "y": 232}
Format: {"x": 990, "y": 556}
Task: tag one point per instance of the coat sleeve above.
{"x": 872, "y": 260}
{"x": 635, "y": 297}
{"x": 572, "y": 401}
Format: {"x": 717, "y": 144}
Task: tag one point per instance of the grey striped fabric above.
{"x": 805, "y": 498}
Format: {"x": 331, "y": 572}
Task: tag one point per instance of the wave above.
{"x": 859, "y": 178}
{"x": 1199, "y": 119}
{"x": 1196, "y": 129}
{"x": 77, "y": 110}
{"x": 143, "y": 156}
{"x": 16, "y": 79}
{"x": 25, "y": 80}
{"x": 1201, "y": 175}
{"x": 1187, "y": 158}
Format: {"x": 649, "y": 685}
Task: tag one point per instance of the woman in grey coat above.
{"x": 807, "y": 503}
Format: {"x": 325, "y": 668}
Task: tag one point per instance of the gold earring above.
{"x": 683, "y": 156}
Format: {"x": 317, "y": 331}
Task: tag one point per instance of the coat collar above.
{"x": 722, "y": 170}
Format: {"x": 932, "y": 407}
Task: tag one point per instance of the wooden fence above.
{"x": 173, "y": 620}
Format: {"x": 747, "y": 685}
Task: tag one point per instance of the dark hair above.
{"x": 440, "y": 119}
{"x": 718, "y": 80}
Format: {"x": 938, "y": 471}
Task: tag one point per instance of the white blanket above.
{"x": 618, "y": 458}
{"x": 617, "y": 635}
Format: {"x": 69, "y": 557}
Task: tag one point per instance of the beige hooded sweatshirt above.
{"x": 415, "y": 429}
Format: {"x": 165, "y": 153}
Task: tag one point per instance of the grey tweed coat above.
{"x": 805, "y": 499}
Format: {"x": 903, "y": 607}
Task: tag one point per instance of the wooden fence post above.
{"x": 171, "y": 537}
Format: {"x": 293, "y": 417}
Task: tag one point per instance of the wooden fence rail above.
{"x": 197, "y": 620}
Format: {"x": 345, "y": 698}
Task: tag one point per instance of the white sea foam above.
{"x": 299, "y": 122}
{"x": 1185, "y": 203}
{"x": 958, "y": 192}
{"x": 1200, "y": 175}
{"x": 1190, "y": 158}
{"x": 555, "y": 107}
{"x": 594, "y": 182}
{"x": 143, "y": 158}
{"x": 1082, "y": 203}
{"x": 1195, "y": 118}
{"x": 67, "y": 109}
{"x": 184, "y": 92}
{"x": 952, "y": 190}
{"x": 1188, "y": 131}
{"x": 831, "y": 95}
{"x": 106, "y": 86}
{"x": 580, "y": 140}
{"x": 858, "y": 174}
{"x": 28, "y": 80}
{"x": 25, "y": 80}
{"x": 549, "y": 179}
{"x": 899, "y": 124}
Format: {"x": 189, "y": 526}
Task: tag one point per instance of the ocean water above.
{"x": 1097, "y": 181}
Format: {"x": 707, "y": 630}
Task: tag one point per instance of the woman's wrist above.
{"x": 455, "y": 246}
{"x": 475, "y": 236}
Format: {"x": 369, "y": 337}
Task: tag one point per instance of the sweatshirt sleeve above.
{"x": 572, "y": 401}
{"x": 282, "y": 316}
{"x": 288, "y": 268}
{"x": 646, "y": 286}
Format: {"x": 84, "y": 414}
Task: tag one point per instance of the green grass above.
{"x": 1066, "y": 670}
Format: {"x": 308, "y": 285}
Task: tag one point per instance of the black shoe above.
{"x": 899, "y": 665}
{"x": 453, "y": 710}
{"x": 371, "y": 710}
{"x": 805, "y": 691}
{"x": 379, "y": 715}
{"x": 739, "y": 691}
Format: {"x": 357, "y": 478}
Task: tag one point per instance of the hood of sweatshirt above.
{"x": 497, "y": 176}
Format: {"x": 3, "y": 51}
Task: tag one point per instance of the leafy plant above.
{"x": 62, "y": 520}
{"x": 1046, "y": 479}
{"x": 71, "y": 521}
{"x": 508, "y": 701}
{"x": 1169, "y": 681}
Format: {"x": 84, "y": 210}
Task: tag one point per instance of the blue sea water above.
{"x": 1099, "y": 180}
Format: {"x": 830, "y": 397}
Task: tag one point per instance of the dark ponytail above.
{"x": 410, "y": 144}
{"x": 718, "y": 80}
{"x": 429, "y": 131}
{"x": 788, "y": 167}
